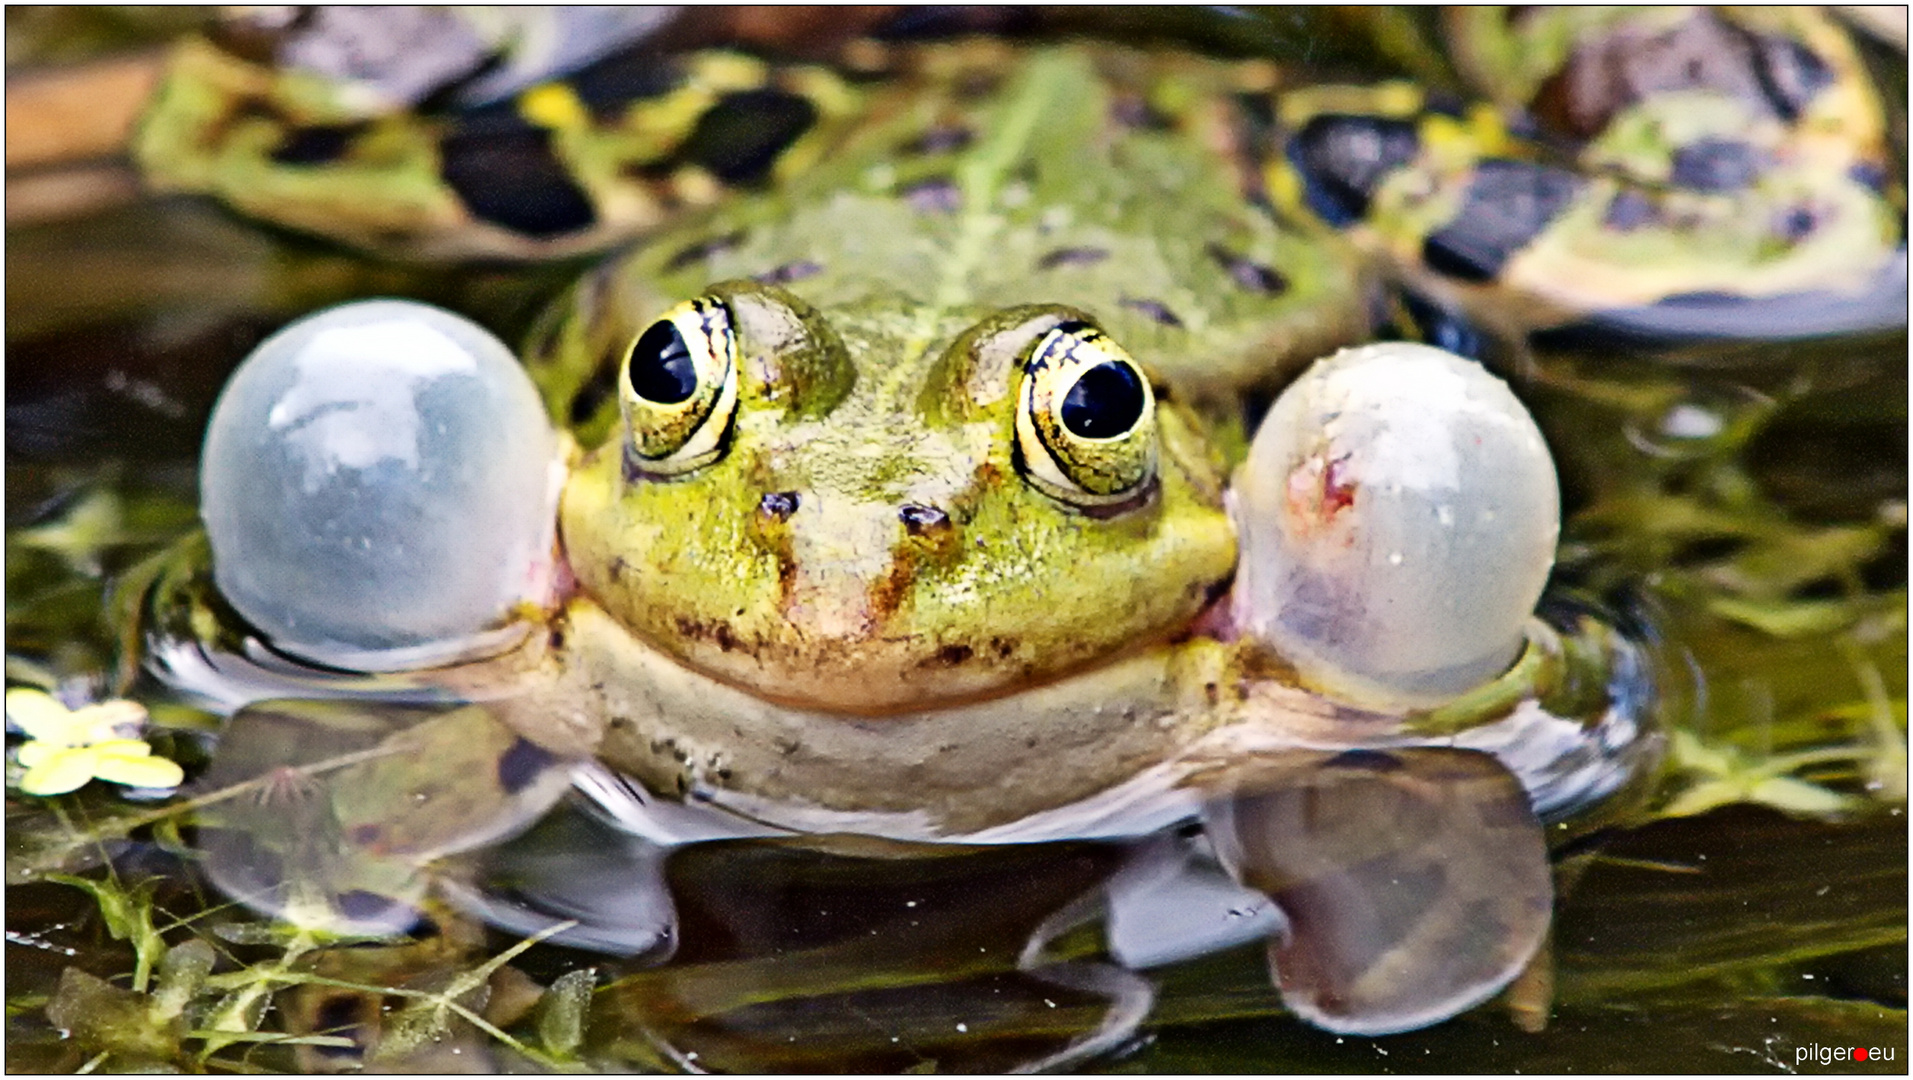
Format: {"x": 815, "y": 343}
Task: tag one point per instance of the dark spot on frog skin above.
{"x": 1071, "y": 256}
{"x": 1796, "y": 224}
{"x": 1342, "y": 159}
{"x": 1136, "y": 114}
{"x": 738, "y": 139}
{"x": 1155, "y": 310}
{"x": 367, "y": 835}
{"x": 1248, "y": 273}
{"x": 779, "y": 505}
{"x": 609, "y": 87}
{"x": 618, "y": 567}
{"x": 1445, "y": 103}
{"x": 317, "y": 145}
{"x": 1789, "y": 73}
{"x": 1256, "y": 132}
{"x": 1715, "y": 165}
{"x": 1371, "y": 761}
{"x": 504, "y": 171}
{"x": 520, "y": 765}
{"x": 1444, "y": 328}
{"x": 1003, "y": 647}
{"x": 596, "y": 390}
{"x": 1630, "y": 210}
{"x": 942, "y": 139}
{"x": 937, "y": 195}
{"x": 1256, "y": 140}
{"x": 1868, "y": 175}
{"x": 952, "y": 655}
{"x": 703, "y": 250}
{"x": 718, "y": 633}
{"x": 1508, "y": 204}
{"x": 789, "y": 272}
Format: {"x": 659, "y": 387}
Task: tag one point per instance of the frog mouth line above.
{"x": 917, "y": 697}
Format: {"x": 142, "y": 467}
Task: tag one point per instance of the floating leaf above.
{"x": 561, "y": 1013}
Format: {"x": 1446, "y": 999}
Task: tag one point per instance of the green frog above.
{"x": 913, "y": 495}
{"x": 916, "y": 463}
{"x": 854, "y": 531}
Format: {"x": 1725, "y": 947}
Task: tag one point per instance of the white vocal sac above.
{"x": 1398, "y": 513}
{"x": 378, "y": 486}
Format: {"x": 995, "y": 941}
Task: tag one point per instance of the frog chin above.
{"x": 840, "y": 650}
{"x": 856, "y": 674}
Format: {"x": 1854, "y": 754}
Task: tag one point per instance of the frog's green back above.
{"x": 1102, "y": 179}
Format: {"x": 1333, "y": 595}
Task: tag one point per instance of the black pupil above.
{"x": 661, "y": 365}
{"x": 1106, "y": 402}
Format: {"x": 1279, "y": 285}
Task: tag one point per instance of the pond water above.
{"x": 1740, "y": 510}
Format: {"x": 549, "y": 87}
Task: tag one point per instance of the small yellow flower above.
{"x": 72, "y": 746}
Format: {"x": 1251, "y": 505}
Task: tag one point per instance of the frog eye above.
{"x": 679, "y": 388}
{"x": 1086, "y": 423}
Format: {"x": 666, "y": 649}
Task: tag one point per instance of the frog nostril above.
{"x": 922, "y": 519}
{"x": 778, "y": 505}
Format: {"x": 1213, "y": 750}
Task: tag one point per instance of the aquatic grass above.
{"x": 427, "y": 1013}
{"x": 1724, "y": 775}
{"x": 175, "y": 998}
{"x": 172, "y": 998}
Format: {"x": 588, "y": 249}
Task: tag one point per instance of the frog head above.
{"x": 866, "y": 513}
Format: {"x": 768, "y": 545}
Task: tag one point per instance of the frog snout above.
{"x": 850, "y": 562}
{"x": 917, "y": 519}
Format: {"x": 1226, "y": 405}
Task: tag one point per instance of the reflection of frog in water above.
{"x": 900, "y": 507}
